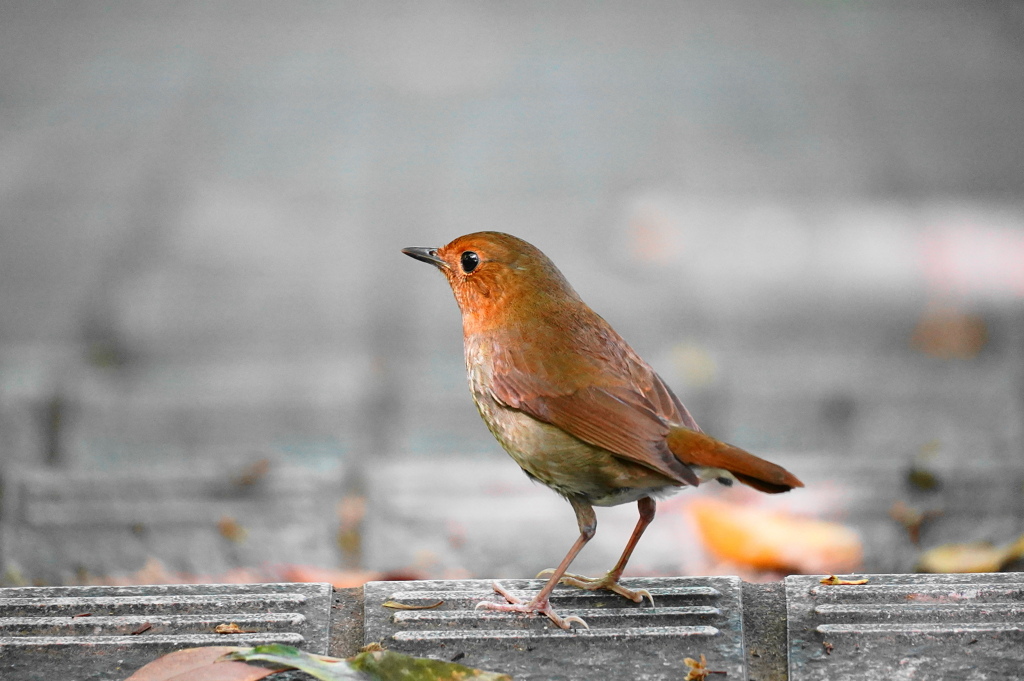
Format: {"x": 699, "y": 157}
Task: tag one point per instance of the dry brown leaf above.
{"x": 253, "y": 473}
{"x": 199, "y": 664}
{"x": 395, "y": 605}
{"x": 698, "y": 670}
{"x": 231, "y": 530}
{"x": 832, "y": 580}
{"x": 232, "y": 628}
{"x": 949, "y": 332}
{"x": 912, "y": 519}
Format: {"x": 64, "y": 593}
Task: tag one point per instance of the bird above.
{"x": 574, "y": 405}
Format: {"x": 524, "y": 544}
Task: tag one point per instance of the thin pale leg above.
{"x": 610, "y": 580}
{"x": 587, "y": 521}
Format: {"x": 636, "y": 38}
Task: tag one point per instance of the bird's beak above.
{"x": 426, "y": 255}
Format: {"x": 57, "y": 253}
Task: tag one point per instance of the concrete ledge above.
{"x": 108, "y": 632}
{"x": 924, "y": 626}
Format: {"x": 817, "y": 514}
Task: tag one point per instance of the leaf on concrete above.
{"x": 832, "y": 580}
{"x": 318, "y": 666}
{"x": 200, "y": 664}
{"x": 390, "y": 666}
{"x": 395, "y": 605}
{"x": 698, "y": 669}
{"x": 974, "y": 557}
{"x": 773, "y": 540}
{"x": 228, "y": 663}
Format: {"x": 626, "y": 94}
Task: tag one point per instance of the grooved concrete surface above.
{"x": 624, "y": 640}
{"x": 920, "y": 627}
{"x": 94, "y": 633}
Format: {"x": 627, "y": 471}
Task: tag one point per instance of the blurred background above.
{"x": 215, "y": 364}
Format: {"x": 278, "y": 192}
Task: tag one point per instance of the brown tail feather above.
{"x": 762, "y": 486}
{"x": 695, "y": 448}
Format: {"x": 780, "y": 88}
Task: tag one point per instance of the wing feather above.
{"x": 619, "y": 419}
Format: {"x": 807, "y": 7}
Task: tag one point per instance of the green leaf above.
{"x": 226, "y": 663}
{"x": 317, "y": 666}
{"x": 382, "y": 665}
{"x": 386, "y": 665}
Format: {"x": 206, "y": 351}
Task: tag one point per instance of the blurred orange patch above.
{"x": 769, "y": 540}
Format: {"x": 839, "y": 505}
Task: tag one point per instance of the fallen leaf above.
{"x": 386, "y": 665}
{"x": 832, "y": 580}
{"x": 231, "y": 530}
{"x": 919, "y": 474}
{"x": 200, "y": 664}
{"x": 974, "y": 557}
{"x": 376, "y": 666}
{"x": 911, "y": 519}
{"x": 949, "y": 332}
{"x": 232, "y": 628}
{"x": 253, "y": 473}
{"x": 228, "y": 663}
{"x": 698, "y": 670}
{"x": 395, "y": 605}
{"x": 142, "y": 629}
{"x": 770, "y": 540}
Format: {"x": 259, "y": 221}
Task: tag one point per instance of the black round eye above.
{"x": 469, "y": 261}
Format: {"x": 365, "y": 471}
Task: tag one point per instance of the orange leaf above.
{"x": 770, "y": 540}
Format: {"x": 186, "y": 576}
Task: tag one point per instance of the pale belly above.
{"x": 566, "y": 464}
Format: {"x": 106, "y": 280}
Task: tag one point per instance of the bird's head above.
{"x": 497, "y": 276}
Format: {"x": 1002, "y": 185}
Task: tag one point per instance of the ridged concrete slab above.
{"x": 907, "y": 627}
{"x": 693, "y": 616}
{"x": 78, "y": 633}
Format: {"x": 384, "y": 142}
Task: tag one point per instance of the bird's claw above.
{"x": 644, "y": 593}
{"x": 606, "y": 582}
{"x": 532, "y": 608}
{"x": 567, "y": 621}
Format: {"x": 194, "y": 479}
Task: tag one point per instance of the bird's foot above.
{"x": 533, "y": 607}
{"x": 606, "y": 582}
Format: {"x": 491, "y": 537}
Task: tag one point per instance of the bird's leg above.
{"x": 587, "y": 521}
{"x": 610, "y": 580}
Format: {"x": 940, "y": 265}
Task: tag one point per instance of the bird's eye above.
{"x": 469, "y": 261}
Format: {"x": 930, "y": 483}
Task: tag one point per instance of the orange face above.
{"x": 495, "y": 277}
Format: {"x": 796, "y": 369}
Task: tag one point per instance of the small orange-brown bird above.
{"x": 573, "y": 404}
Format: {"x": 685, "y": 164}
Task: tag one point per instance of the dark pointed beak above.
{"x": 426, "y": 255}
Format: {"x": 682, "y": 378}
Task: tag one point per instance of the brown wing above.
{"x": 631, "y": 422}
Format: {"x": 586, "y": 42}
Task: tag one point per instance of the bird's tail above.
{"x": 695, "y": 448}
